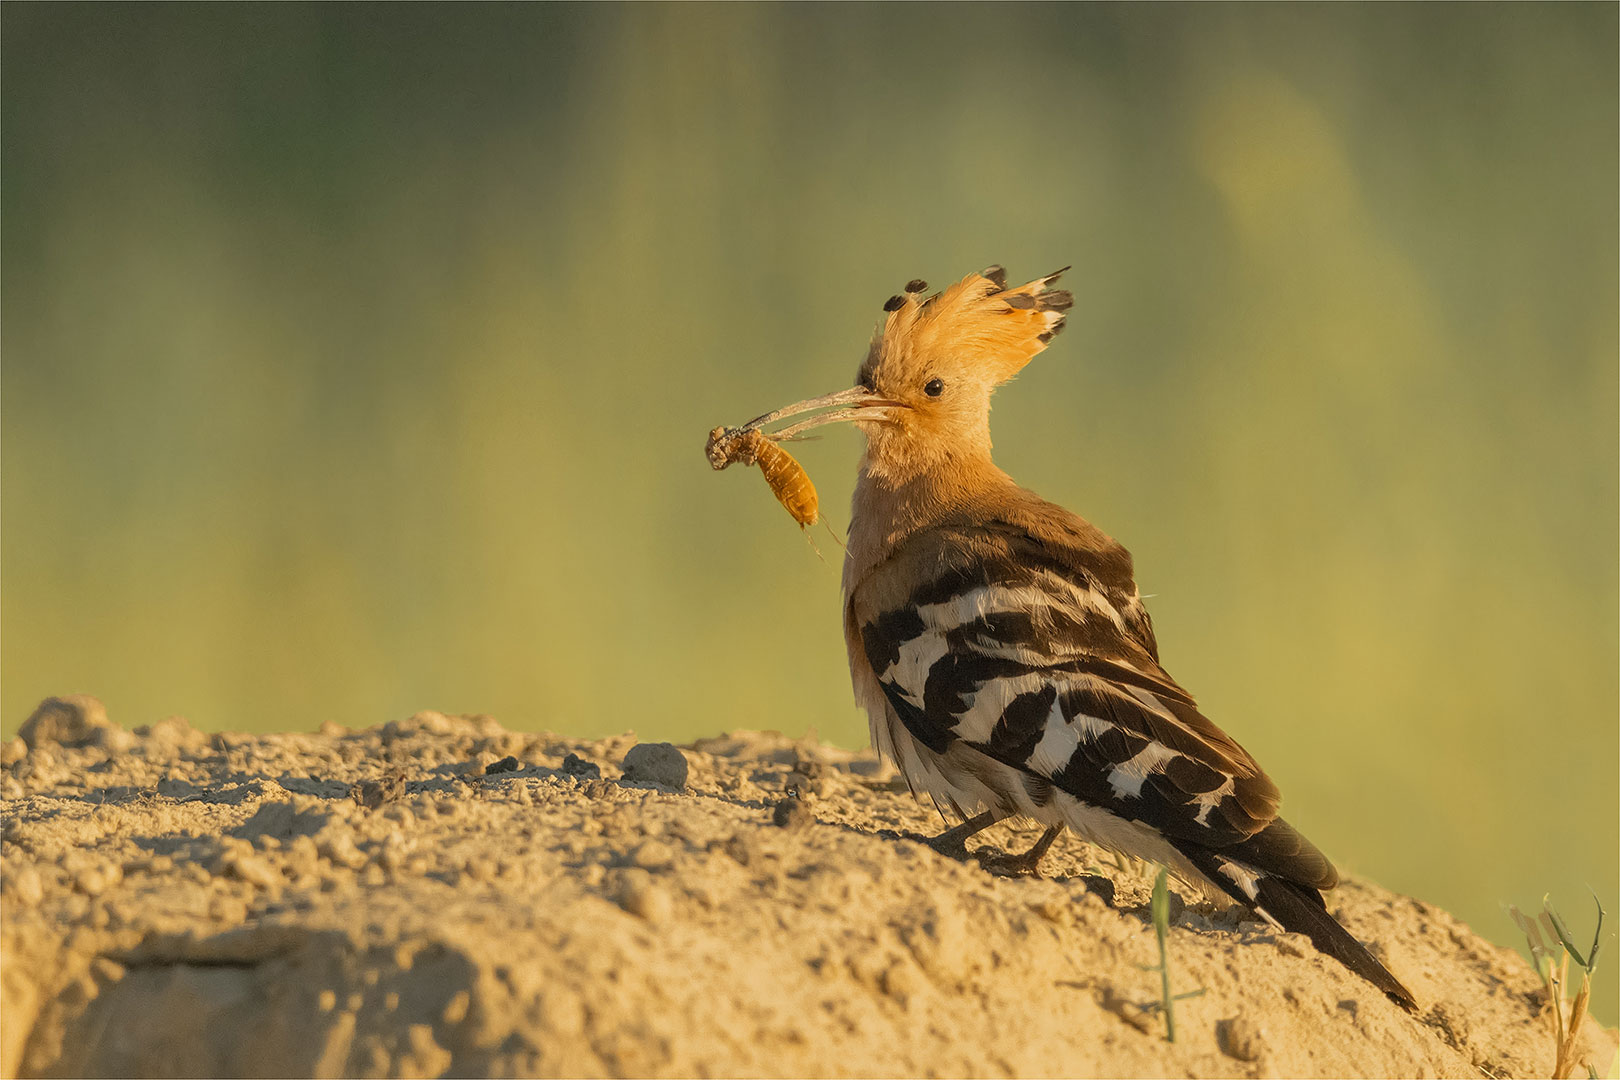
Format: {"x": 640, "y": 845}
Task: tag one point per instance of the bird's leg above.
{"x": 1016, "y": 865}
{"x": 952, "y": 842}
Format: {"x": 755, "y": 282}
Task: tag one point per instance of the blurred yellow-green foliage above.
{"x": 358, "y": 359}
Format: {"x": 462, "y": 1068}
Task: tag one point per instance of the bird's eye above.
{"x": 934, "y": 388}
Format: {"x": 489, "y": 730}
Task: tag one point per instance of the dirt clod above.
{"x": 73, "y": 720}
{"x": 791, "y": 814}
{"x": 657, "y": 763}
{"x": 1239, "y": 1038}
{"x": 374, "y": 793}
{"x": 577, "y": 767}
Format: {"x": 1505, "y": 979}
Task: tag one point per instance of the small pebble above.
{"x": 506, "y": 764}
{"x": 72, "y": 720}
{"x": 1239, "y": 1038}
{"x": 577, "y": 767}
{"x": 658, "y": 763}
{"x": 792, "y": 814}
{"x": 640, "y": 895}
{"x": 373, "y": 793}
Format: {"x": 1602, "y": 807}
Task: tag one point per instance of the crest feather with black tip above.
{"x": 978, "y": 319}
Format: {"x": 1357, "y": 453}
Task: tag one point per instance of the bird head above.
{"x": 923, "y": 393}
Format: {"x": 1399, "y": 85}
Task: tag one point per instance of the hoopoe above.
{"x": 1000, "y": 648}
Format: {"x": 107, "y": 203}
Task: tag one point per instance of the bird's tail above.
{"x": 1298, "y": 909}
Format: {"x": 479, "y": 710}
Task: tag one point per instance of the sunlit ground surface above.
{"x": 359, "y": 360}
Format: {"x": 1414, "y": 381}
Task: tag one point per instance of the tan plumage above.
{"x": 1003, "y": 328}
{"x": 1000, "y": 648}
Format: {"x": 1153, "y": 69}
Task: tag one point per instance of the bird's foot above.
{"x": 1003, "y": 864}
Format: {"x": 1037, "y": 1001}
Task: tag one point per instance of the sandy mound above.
{"x": 183, "y": 904}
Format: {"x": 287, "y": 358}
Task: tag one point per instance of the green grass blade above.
{"x": 1160, "y": 909}
{"x": 1563, "y": 933}
{"x": 1597, "y": 935}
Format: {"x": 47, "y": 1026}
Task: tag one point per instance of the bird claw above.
{"x": 1002, "y": 864}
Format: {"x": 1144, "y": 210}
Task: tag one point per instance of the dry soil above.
{"x": 441, "y": 896}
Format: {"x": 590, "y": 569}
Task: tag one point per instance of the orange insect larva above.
{"x": 789, "y": 482}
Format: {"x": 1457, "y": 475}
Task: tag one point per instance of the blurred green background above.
{"x": 358, "y": 360}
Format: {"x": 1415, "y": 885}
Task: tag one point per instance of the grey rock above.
{"x": 658, "y": 763}
{"x": 74, "y": 720}
{"x": 577, "y": 767}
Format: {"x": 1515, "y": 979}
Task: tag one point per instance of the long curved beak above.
{"x": 856, "y": 403}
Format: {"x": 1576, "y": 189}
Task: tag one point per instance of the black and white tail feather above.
{"x": 1023, "y": 678}
{"x": 1299, "y": 909}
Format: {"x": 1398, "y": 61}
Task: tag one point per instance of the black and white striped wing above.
{"x": 1038, "y": 655}
{"x": 1049, "y": 668}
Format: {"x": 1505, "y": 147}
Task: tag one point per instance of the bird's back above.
{"x": 1005, "y": 591}
{"x": 1007, "y": 664}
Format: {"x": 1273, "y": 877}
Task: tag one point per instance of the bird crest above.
{"x": 977, "y": 319}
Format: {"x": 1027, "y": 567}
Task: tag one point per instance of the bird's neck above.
{"x": 892, "y": 504}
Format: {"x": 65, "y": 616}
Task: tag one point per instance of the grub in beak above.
{"x": 856, "y": 403}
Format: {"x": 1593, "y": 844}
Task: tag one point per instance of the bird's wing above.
{"x": 1042, "y": 659}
